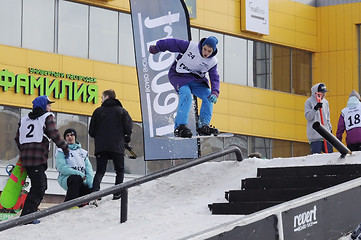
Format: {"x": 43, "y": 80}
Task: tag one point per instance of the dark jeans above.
{"x": 38, "y": 187}
{"x": 76, "y": 188}
{"x": 318, "y": 147}
{"x": 102, "y": 160}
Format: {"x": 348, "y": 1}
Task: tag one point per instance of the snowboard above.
{"x": 222, "y": 135}
{"x": 12, "y": 190}
{"x": 7, "y": 213}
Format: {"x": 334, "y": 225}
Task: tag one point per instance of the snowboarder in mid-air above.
{"x": 188, "y": 76}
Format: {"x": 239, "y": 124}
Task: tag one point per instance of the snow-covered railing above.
{"x": 120, "y": 187}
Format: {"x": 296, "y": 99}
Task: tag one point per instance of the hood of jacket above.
{"x": 74, "y": 146}
{"x": 200, "y": 48}
{"x": 314, "y": 90}
{"x": 37, "y": 112}
{"x": 353, "y": 102}
{"x": 110, "y": 102}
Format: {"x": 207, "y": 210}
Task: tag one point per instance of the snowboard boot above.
{"x": 36, "y": 221}
{"x": 207, "y": 130}
{"x": 183, "y": 131}
{"x": 117, "y": 196}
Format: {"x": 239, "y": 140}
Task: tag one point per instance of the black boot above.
{"x": 183, "y": 131}
{"x": 206, "y": 130}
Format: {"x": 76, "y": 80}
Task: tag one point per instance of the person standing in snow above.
{"x": 32, "y": 139}
{"x": 111, "y": 127}
{"x": 75, "y": 172}
{"x": 350, "y": 121}
{"x": 312, "y": 114}
{"x": 188, "y": 76}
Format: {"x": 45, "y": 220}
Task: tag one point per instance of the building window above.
{"x": 103, "y": 35}
{"x": 38, "y": 25}
{"x": 73, "y": 29}
{"x": 10, "y": 22}
{"x": 281, "y": 148}
{"x": 281, "y": 69}
{"x": 262, "y": 65}
{"x": 126, "y": 45}
{"x": 273, "y": 148}
{"x": 300, "y": 149}
{"x": 301, "y": 72}
{"x": 9, "y": 119}
{"x": 235, "y": 60}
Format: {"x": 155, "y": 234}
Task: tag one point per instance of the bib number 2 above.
{"x": 31, "y": 130}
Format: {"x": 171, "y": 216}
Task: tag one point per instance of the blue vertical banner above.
{"x": 153, "y": 20}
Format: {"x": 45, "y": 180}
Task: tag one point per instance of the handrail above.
{"x": 116, "y": 188}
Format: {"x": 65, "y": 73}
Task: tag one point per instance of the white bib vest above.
{"x": 32, "y": 130}
{"x": 193, "y": 62}
{"x": 352, "y": 117}
{"x": 76, "y": 159}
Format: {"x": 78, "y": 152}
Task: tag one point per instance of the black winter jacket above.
{"x": 109, "y": 124}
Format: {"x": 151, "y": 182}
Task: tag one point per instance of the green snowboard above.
{"x": 13, "y": 187}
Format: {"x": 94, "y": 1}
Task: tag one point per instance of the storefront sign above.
{"x": 255, "y": 16}
{"x": 29, "y": 85}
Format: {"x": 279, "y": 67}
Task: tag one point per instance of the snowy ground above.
{"x": 172, "y": 207}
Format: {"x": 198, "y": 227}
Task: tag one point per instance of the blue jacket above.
{"x": 77, "y": 164}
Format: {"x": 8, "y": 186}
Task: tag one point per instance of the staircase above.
{"x": 276, "y": 185}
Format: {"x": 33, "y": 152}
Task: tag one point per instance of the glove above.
{"x": 318, "y": 106}
{"x": 127, "y": 138}
{"x": 126, "y": 146}
{"x": 66, "y": 152}
{"x": 213, "y": 98}
{"x": 153, "y": 49}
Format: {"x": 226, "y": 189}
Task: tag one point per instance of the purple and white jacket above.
{"x": 350, "y": 121}
{"x": 178, "y": 79}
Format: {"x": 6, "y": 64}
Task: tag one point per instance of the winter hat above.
{"x": 41, "y": 102}
{"x": 321, "y": 88}
{"x": 70, "y": 130}
{"x": 211, "y": 41}
{"x": 355, "y": 94}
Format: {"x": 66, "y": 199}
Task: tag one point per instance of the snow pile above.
{"x": 171, "y": 207}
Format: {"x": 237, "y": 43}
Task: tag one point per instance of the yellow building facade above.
{"x": 329, "y": 33}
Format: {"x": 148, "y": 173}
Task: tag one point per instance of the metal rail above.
{"x": 116, "y": 188}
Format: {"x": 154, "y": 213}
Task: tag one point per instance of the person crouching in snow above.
{"x": 75, "y": 172}
{"x": 188, "y": 76}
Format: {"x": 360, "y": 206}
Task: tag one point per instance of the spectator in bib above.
{"x": 188, "y": 76}
{"x": 350, "y": 121}
{"x": 111, "y": 127}
{"x": 75, "y": 172}
{"x": 312, "y": 114}
{"x": 32, "y": 139}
